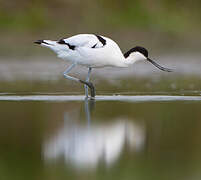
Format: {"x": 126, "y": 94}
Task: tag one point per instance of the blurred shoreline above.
{"x": 52, "y": 68}
{"x": 43, "y": 75}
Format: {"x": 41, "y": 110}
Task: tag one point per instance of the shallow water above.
{"x": 114, "y": 137}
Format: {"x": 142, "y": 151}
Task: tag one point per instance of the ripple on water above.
{"x": 57, "y": 98}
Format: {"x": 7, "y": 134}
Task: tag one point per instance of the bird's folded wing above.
{"x": 86, "y": 40}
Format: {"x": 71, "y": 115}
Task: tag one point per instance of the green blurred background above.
{"x": 154, "y": 23}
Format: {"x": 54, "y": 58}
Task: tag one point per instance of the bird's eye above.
{"x": 61, "y": 41}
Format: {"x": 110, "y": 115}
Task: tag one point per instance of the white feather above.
{"x": 100, "y": 56}
{"x": 84, "y": 40}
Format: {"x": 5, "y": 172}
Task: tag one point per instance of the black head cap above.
{"x": 137, "y": 49}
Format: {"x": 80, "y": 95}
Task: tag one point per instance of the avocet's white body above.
{"x": 94, "y": 51}
{"x": 91, "y": 52}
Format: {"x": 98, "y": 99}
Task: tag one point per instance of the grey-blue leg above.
{"x": 89, "y": 84}
{"x": 87, "y": 80}
{"x": 68, "y": 70}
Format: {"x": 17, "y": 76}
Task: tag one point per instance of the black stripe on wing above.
{"x": 102, "y": 40}
{"x": 61, "y": 41}
{"x": 94, "y": 46}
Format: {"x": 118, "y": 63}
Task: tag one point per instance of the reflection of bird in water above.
{"x": 94, "y": 51}
{"x": 87, "y": 145}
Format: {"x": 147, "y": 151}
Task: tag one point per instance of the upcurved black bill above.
{"x": 159, "y": 66}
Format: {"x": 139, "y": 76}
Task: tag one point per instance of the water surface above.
{"x": 114, "y": 137}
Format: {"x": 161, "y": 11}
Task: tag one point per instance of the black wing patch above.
{"x": 94, "y": 45}
{"x": 102, "y": 40}
{"x": 71, "y": 46}
{"x": 61, "y": 41}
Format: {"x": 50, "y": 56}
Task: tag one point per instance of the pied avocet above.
{"x": 95, "y": 51}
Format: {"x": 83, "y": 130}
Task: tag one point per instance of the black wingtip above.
{"x": 38, "y": 41}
